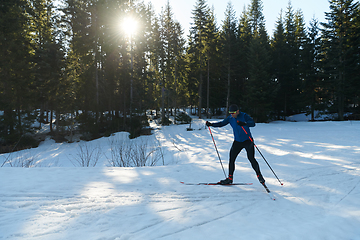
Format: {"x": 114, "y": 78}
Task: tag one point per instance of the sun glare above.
{"x": 129, "y": 25}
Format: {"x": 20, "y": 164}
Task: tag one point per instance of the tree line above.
{"x": 73, "y": 62}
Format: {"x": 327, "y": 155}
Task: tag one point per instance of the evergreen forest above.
{"x": 99, "y": 65}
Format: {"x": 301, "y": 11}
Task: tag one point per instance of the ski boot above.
{"x": 226, "y": 181}
{"x": 261, "y": 179}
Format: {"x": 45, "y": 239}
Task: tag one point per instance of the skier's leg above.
{"x": 250, "y": 150}
{"x": 234, "y": 152}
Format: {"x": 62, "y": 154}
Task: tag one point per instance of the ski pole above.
{"x": 217, "y": 151}
{"x": 262, "y": 155}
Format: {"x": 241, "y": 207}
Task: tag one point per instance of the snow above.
{"x": 318, "y": 162}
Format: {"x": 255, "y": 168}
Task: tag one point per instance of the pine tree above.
{"x": 197, "y": 46}
{"x": 229, "y": 37}
{"x": 338, "y": 41}
{"x": 259, "y": 87}
{"x": 311, "y": 65}
{"x": 213, "y": 61}
{"x": 173, "y": 45}
{"x": 301, "y": 40}
{"x": 16, "y": 69}
{"x": 145, "y": 49}
{"x": 156, "y": 54}
{"x": 288, "y": 53}
{"x": 83, "y": 50}
{"x": 242, "y": 72}
{"x": 355, "y": 79}
{"x": 179, "y": 66}
{"x": 48, "y": 58}
{"x": 290, "y": 84}
{"x": 279, "y": 62}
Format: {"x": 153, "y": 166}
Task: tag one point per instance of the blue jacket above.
{"x": 239, "y": 134}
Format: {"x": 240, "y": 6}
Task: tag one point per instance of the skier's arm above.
{"x": 249, "y": 121}
{"x": 221, "y": 123}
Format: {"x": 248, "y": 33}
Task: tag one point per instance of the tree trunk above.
{"x": 208, "y": 89}
{"x": 200, "y": 94}
{"x": 228, "y": 90}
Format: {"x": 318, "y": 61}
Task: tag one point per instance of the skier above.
{"x": 239, "y": 120}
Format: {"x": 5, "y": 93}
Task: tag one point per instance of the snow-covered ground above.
{"x": 318, "y": 162}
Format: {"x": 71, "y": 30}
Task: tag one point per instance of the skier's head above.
{"x": 233, "y": 108}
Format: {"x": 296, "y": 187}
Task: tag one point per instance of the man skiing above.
{"x": 239, "y": 120}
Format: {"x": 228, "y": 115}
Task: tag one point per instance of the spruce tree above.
{"x": 229, "y": 38}
{"x": 243, "y": 41}
{"x": 290, "y": 84}
{"x": 259, "y": 87}
{"x": 354, "y": 94}
{"x": 310, "y": 71}
{"x": 213, "y": 62}
{"x": 301, "y": 38}
{"x": 338, "y": 37}
{"x": 197, "y": 46}
{"x": 279, "y": 64}
{"x": 173, "y": 44}
{"x": 16, "y": 68}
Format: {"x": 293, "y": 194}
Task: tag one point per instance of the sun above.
{"x": 129, "y": 26}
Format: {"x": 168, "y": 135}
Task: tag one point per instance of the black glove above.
{"x": 240, "y": 123}
{"x": 208, "y": 124}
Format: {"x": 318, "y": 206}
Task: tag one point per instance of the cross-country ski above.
{"x": 269, "y": 192}
{"x": 218, "y": 184}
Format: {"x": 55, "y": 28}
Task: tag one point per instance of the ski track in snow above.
{"x": 317, "y": 163}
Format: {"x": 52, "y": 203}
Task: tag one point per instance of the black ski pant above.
{"x": 250, "y": 150}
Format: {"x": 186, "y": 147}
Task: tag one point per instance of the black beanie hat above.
{"x": 233, "y": 108}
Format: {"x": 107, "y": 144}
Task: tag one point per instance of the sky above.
{"x": 182, "y": 10}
